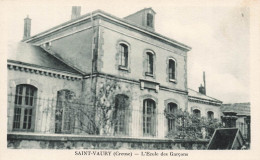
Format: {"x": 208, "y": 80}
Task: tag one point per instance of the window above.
{"x": 123, "y": 55}
{"x": 196, "y": 112}
{"x": 149, "y": 20}
{"x": 172, "y": 108}
{"x": 210, "y": 115}
{"x": 63, "y": 114}
{"x": 24, "y": 110}
{"x": 172, "y": 68}
{"x": 149, "y": 117}
{"x": 149, "y": 63}
{"x": 120, "y": 115}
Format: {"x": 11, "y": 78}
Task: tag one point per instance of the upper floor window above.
{"x": 210, "y": 115}
{"x": 172, "y": 69}
{"x": 24, "y": 110}
{"x": 150, "y": 63}
{"x": 64, "y": 120}
{"x": 149, "y": 20}
{"x": 120, "y": 115}
{"x": 123, "y": 55}
{"x": 149, "y": 117}
{"x": 196, "y": 112}
{"x": 172, "y": 108}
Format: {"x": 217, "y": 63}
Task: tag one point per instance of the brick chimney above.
{"x": 27, "y": 28}
{"x": 75, "y": 12}
{"x": 202, "y": 89}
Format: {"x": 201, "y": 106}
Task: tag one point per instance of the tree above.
{"x": 190, "y": 126}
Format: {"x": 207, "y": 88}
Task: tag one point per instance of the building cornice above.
{"x": 204, "y": 101}
{"x": 133, "y": 81}
{"x": 95, "y": 15}
{"x": 35, "y": 69}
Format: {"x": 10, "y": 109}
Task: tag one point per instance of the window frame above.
{"x": 126, "y": 56}
{"x": 171, "y": 123}
{"x": 121, "y": 119}
{"x": 196, "y": 114}
{"x": 150, "y": 58}
{"x": 27, "y": 109}
{"x": 149, "y": 20}
{"x": 151, "y": 130}
{"x": 64, "y": 112}
{"x": 172, "y": 79}
{"x": 209, "y": 115}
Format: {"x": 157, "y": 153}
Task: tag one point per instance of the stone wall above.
{"x": 112, "y": 35}
{"x": 37, "y": 141}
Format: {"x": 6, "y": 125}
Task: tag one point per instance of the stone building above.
{"x": 146, "y": 73}
{"x": 203, "y": 105}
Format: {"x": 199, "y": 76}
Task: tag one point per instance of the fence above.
{"x": 71, "y": 116}
{"x": 67, "y": 115}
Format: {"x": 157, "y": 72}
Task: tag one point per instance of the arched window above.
{"x": 121, "y": 114}
{"x": 64, "y": 118}
{"x": 24, "y": 110}
{"x": 123, "y": 55}
{"x": 149, "y": 20}
{"x": 196, "y": 112}
{"x": 172, "y": 69}
{"x": 149, "y": 117}
{"x": 171, "y": 108}
{"x": 150, "y": 63}
{"x": 210, "y": 115}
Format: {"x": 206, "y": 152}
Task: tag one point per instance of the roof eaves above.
{"x": 62, "y": 61}
{"x": 9, "y": 61}
{"x": 206, "y": 100}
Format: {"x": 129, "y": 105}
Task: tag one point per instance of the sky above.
{"x": 218, "y": 34}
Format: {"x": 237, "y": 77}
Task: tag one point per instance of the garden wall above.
{"x": 43, "y": 141}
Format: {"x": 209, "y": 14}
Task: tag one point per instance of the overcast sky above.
{"x": 218, "y": 35}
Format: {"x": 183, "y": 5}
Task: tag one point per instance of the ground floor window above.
{"x": 172, "y": 109}
{"x": 24, "y": 107}
{"x": 210, "y": 115}
{"x": 121, "y": 115}
{"x": 197, "y": 113}
{"x": 149, "y": 124}
{"x": 64, "y": 118}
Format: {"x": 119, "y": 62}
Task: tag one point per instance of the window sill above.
{"x": 149, "y": 74}
{"x": 123, "y": 68}
{"x": 173, "y": 80}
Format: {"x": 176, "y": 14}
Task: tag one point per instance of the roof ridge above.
{"x": 143, "y": 29}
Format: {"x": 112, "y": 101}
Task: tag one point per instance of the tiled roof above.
{"x": 239, "y": 108}
{"x": 198, "y": 95}
{"x": 27, "y": 54}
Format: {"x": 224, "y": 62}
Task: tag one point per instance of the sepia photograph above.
{"x": 128, "y": 78}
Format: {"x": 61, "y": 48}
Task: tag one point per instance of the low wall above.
{"x": 44, "y": 141}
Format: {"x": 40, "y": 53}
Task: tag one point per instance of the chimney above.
{"x": 204, "y": 80}
{"x": 27, "y": 28}
{"x": 75, "y": 12}
{"x": 202, "y": 89}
